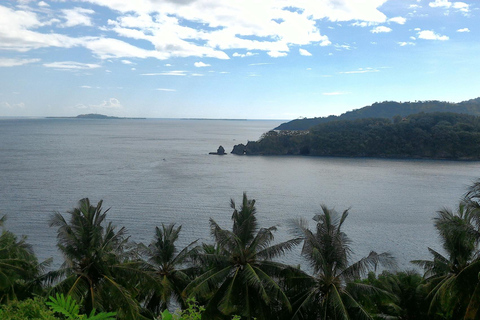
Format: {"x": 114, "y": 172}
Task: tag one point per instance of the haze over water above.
{"x": 154, "y": 171}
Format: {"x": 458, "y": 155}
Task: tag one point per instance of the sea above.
{"x": 154, "y": 171}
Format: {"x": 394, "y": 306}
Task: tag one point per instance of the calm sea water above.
{"x": 158, "y": 171}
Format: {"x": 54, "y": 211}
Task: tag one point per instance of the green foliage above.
{"x": 402, "y": 295}
{"x": 390, "y": 110}
{"x": 19, "y": 267}
{"x": 99, "y": 269}
{"x": 240, "y": 276}
{"x": 70, "y": 309}
{"x": 165, "y": 264}
{"x": 30, "y": 309}
{"x": 424, "y": 135}
{"x": 192, "y": 312}
{"x": 331, "y": 293}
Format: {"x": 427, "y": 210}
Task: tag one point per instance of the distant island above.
{"x": 422, "y": 135}
{"x": 91, "y": 116}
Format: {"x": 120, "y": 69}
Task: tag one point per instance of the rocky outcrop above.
{"x": 239, "y": 149}
{"x": 220, "y": 151}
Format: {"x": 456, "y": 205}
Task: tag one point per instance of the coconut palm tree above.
{"x": 453, "y": 279}
{"x": 167, "y": 268}
{"x": 241, "y": 278}
{"x": 19, "y": 268}
{"x": 329, "y": 293}
{"x": 98, "y": 266}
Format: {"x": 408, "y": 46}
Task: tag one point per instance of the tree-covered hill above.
{"x": 389, "y": 109}
{"x": 439, "y": 135}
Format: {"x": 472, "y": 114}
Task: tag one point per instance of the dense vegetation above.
{"x": 423, "y": 135}
{"x": 237, "y": 275}
{"x": 389, "y": 109}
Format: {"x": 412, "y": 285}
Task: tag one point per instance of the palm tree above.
{"x": 166, "y": 264}
{"x": 330, "y": 292}
{"x": 98, "y": 262}
{"x": 241, "y": 278}
{"x": 406, "y": 295}
{"x": 19, "y": 268}
{"x": 453, "y": 279}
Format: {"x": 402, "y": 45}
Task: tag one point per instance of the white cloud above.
{"x": 363, "y": 24}
{"x": 126, "y": 62}
{"x": 381, "y": 29}
{"x": 304, "y": 52}
{"x": 16, "y": 33}
{"x": 165, "y": 27}
{"x": 166, "y": 90}
{"x": 275, "y": 25}
{"x": 109, "y": 104}
{"x": 71, "y": 65}
{"x": 86, "y": 87}
{"x": 440, "y": 3}
{"x": 277, "y": 54}
{"x": 399, "y": 20}
{"x": 430, "y": 35}
{"x": 7, "y": 62}
{"x": 463, "y": 30}
{"x": 243, "y": 55}
{"x": 461, "y": 6}
{"x": 77, "y": 17}
{"x": 43, "y": 4}
{"x": 201, "y": 64}
{"x": 403, "y": 44}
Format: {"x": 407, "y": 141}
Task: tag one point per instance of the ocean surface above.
{"x": 159, "y": 171}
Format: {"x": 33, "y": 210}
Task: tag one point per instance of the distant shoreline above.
{"x": 94, "y": 116}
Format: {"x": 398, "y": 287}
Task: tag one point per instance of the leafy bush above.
{"x": 69, "y": 308}
{"x": 32, "y": 309}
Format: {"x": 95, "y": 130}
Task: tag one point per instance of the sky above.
{"x": 242, "y": 59}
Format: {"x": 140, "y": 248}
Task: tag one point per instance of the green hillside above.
{"x": 439, "y": 135}
{"x": 389, "y": 109}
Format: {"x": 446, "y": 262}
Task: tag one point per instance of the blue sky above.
{"x": 249, "y": 59}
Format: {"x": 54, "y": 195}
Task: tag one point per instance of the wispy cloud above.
{"x": 360, "y": 70}
{"x": 167, "y": 73}
{"x": 166, "y": 90}
{"x": 7, "y": 62}
{"x": 71, "y": 65}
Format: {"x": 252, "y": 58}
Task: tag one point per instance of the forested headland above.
{"x": 237, "y": 275}
{"x": 438, "y": 135}
{"x": 388, "y": 109}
